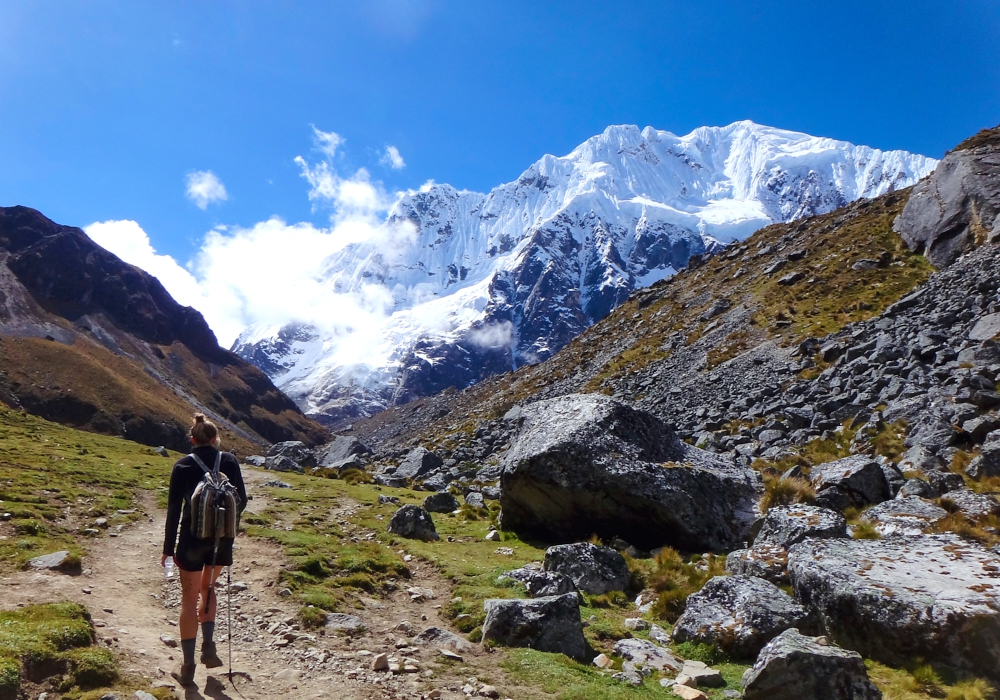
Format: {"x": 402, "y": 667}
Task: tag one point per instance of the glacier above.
{"x": 468, "y": 284}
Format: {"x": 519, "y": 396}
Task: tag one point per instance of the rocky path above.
{"x": 135, "y": 610}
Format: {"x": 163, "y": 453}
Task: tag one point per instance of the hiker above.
{"x": 199, "y": 559}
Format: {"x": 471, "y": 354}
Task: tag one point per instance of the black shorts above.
{"x": 194, "y": 554}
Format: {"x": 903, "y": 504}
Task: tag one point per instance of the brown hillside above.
{"x": 91, "y": 342}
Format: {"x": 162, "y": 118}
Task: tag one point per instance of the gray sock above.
{"x": 207, "y": 631}
{"x": 187, "y": 646}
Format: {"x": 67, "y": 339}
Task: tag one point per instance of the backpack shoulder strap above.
{"x": 197, "y": 460}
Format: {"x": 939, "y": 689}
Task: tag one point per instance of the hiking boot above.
{"x": 186, "y": 675}
{"x": 209, "y": 657}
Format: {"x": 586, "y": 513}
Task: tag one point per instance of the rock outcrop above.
{"x": 739, "y": 614}
{"x": 910, "y": 515}
{"x": 551, "y": 623}
{"x": 793, "y": 667}
{"x": 933, "y": 596}
{"x": 955, "y": 208}
{"x": 586, "y": 463}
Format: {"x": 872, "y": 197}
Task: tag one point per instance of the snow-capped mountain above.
{"x": 473, "y": 284}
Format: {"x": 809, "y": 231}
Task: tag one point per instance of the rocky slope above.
{"x": 92, "y": 342}
{"x": 484, "y": 283}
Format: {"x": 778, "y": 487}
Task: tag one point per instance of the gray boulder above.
{"x": 540, "y": 583}
{"x": 341, "y": 622}
{"x": 793, "y": 666}
{"x": 765, "y": 560}
{"x": 788, "y": 525}
{"x": 343, "y": 465}
{"x": 945, "y": 482}
{"x": 585, "y": 464}
{"x": 442, "y": 502}
{"x": 289, "y": 456}
{"x": 738, "y": 614}
{"x": 255, "y": 460}
{"x": 475, "y": 499}
{"x": 909, "y": 515}
{"x": 418, "y": 464}
{"x": 857, "y": 480}
{"x": 642, "y": 651}
{"x": 986, "y": 463}
{"x": 973, "y": 505}
{"x": 953, "y": 210}
{"x": 56, "y": 561}
{"x": 592, "y": 569}
{"x": 934, "y": 596}
{"x": 916, "y": 487}
{"x": 551, "y": 623}
{"x": 413, "y": 522}
{"x": 435, "y": 636}
{"x": 341, "y": 448}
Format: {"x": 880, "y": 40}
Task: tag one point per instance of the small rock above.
{"x": 492, "y": 536}
{"x": 168, "y": 640}
{"x": 603, "y": 661}
{"x": 636, "y": 624}
{"x": 450, "y": 655}
{"x": 162, "y": 451}
{"x": 143, "y": 695}
{"x": 380, "y": 662}
{"x": 488, "y": 691}
{"x": 683, "y": 691}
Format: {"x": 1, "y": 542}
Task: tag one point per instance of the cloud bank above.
{"x": 271, "y": 273}
{"x": 203, "y": 188}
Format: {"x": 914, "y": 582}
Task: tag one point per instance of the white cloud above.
{"x": 392, "y": 158}
{"x": 204, "y": 188}
{"x": 493, "y": 335}
{"x": 327, "y": 142}
{"x": 271, "y": 273}
{"x": 128, "y": 241}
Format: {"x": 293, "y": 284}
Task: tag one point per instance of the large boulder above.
{"x": 540, "y": 583}
{"x": 550, "y": 623}
{"x": 910, "y": 515}
{"x": 594, "y": 570}
{"x": 788, "y": 525}
{"x": 739, "y": 614}
{"x": 418, "y": 465}
{"x": 933, "y": 596}
{"x": 442, "y": 502}
{"x": 793, "y": 666}
{"x": 955, "y": 209}
{"x": 585, "y": 464}
{"x": 341, "y": 448}
{"x": 857, "y": 480}
{"x": 413, "y": 522}
{"x": 289, "y": 456}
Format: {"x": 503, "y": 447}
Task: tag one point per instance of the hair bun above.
{"x": 199, "y": 417}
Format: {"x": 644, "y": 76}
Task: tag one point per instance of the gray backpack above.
{"x": 215, "y": 503}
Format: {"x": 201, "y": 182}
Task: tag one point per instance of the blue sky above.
{"x": 106, "y": 107}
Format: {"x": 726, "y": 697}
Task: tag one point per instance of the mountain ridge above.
{"x": 93, "y": 342}
{"x": 477, "y": 284}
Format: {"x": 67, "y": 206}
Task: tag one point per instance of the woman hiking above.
{"x": 194, "y": 555}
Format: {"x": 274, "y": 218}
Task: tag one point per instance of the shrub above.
{"x": 94, "y": 667}
{"x": 865, "y": 531}
{"x": 785, "y": 492}
{"x": 675, "y": 579}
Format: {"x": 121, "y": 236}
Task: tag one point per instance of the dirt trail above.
{"x": 133, "y": 604}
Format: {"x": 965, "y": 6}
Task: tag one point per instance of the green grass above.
{"x": 919, "y": 681}
{"x": 565, "y": 679}
{"x": 57, "y": 481}
{"x": 57, "y": 635}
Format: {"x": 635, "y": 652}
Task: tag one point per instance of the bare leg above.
{"x": 190, "y": 586}
{"x": 206, "y": 585}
